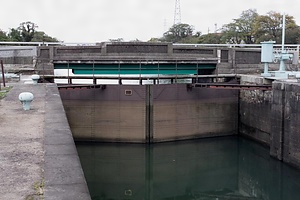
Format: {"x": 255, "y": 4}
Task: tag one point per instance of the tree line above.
{"x": 249, "y": 28}
{"x": 26, "y": 32}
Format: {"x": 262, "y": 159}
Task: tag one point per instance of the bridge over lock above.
{"x": 147, "y": 58}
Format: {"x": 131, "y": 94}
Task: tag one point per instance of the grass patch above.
{"x": 4, "y": 91}
{"x": 39, "y": 187}
{"x": 39, "y": 191}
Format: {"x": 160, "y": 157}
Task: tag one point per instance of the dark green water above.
{"x": 214, "y": 169}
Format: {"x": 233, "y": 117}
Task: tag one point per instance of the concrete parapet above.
{"x": 247, "y": 56}
{"x": 18, "y": 54}
{"x": 44, "y": 68}
{"x": 64, "y": 178}
{"x": 229, "y": 68}
{"x": 254, "y": 79}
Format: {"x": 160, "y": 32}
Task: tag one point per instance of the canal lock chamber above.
{"x": 161, "y": 113}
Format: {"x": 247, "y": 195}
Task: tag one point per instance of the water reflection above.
{"x": 223, "y": 168}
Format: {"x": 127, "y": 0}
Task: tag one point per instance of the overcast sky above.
{"x": 101, "y": 20}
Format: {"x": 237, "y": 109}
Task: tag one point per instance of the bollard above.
{"x": 35, "y": 78}
{"x": 298, "y": 78}
{"x": 26, "y": 98}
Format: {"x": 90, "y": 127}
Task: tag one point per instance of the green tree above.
{"x": 269, "y": 27}
{"x": 14, "y": 35}
{"x": 40, "y": 36}
{"x": 211, "y": 38}
{"x": 249, "y": 28}
{"x": 178, "y": 33}
{"x": 27, "y": 30}
{"x": 154, "y": 40}
{"x": 3, "y": 36}
{"x": 241, "y": 29}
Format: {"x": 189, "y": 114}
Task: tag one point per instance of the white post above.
{"x": 282, "y": 65}
{"x": 283, "y": 33}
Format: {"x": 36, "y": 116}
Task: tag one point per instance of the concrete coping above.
{"x": 64, "y": 177}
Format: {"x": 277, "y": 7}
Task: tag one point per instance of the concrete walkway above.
{"x": 38, "y": 158}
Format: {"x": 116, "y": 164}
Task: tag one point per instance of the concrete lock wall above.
{"x": 273, "y": 118}
{"x": 113, "y": 113}
{"x": 181, "y": 113}
{"x": 255, "y": 114}
{"x": 286, "y": 132}
{"x": 150, "y": 113}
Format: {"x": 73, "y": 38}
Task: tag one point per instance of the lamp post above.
{"x": 284, "y": 55}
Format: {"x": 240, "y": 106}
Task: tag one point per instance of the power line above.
{"x": 177, "y": 13}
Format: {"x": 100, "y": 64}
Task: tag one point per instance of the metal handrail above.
{"x": 234, "y": 45}
{"x": 48, "y": 43}
{"x": 175, "y": 44}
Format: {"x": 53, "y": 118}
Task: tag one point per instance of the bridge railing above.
{"x": 295, "y": 46}
{"x": 46, "y": 44}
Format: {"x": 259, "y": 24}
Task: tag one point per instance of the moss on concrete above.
{"x": 39, "y": 191}
{"x": 4, "y": 91}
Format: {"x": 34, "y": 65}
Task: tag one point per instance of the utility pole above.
{"x": 177, "y": 13}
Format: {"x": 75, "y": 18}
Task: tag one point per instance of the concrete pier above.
{"x": 37, "y": 152}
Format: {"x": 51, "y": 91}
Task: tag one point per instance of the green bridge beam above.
{"x": 134, "y": 68}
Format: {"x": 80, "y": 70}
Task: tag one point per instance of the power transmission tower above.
{"x": 177, "y": 13}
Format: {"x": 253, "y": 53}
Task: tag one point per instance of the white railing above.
{"x": 48, "y": 43}
{"x": 294, "y": 46}
{"x": 288, "y": 46}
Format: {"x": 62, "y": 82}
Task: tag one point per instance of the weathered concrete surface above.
{"x": 18, "y": 59}
{"x": 273, "y": 117}
{"x": 255, "y": 110}
{"x": 291, "y": 148}
{"x": 286, "y": 129}
{"x": 106, "y": 114}
{"x": 21, "y": 144}
{"x": 37, "y": 153}
{"x": 64, "y": 178}
{"x": 151, "y": 113}
{"x": 18, "y": 54}
{"x": 277, "y": 120}
{"x": 180, "y": 113}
